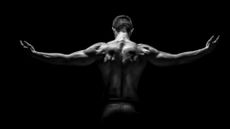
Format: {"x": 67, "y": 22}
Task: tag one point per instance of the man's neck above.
{"x": 122, "y": 36}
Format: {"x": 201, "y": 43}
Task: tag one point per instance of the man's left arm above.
{"x": 80, "y": 58}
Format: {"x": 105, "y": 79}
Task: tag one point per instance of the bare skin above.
{"x": 121, "y": 61}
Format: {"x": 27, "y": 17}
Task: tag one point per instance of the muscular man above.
{"x": 121, "y": 62}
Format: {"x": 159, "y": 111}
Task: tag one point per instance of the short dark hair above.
{"x": 122, "y": 23}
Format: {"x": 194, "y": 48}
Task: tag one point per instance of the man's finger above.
{"x": 217, "y": 38}
{"x": 210, "y": 39}
{"x": 27, "y": 43}
{"x": 22, "y": 43}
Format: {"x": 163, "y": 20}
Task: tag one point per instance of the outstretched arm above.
{"x": 82, "y": 57}
{"x": 160, "y": 58}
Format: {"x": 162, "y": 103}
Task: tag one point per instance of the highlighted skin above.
{"x": 121, "y": 61}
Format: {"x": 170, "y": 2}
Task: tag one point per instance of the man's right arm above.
{"x": 161, "y": 58}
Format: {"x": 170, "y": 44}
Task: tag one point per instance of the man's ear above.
{"x": 114, "y": 31}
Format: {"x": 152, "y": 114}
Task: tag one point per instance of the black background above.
{"x": 39, "y": 94}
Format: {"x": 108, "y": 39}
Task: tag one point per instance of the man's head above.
{"x": 122, "y": 23}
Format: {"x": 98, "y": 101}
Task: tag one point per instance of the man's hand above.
{"x": 27, "y": 46}
{"x": 211, "y": 43}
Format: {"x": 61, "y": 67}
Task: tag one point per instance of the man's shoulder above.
{"x": 146, "y": 46}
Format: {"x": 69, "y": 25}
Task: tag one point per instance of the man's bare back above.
{"x": 121, "y": 67}
{"x": 121, "y": 61}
